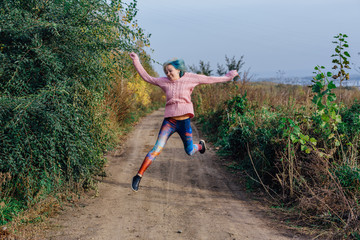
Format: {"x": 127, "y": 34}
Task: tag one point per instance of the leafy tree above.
{"x": 220, "y": 69}
{"x": 204, "y": 68}
{"x": 231, "y": 64}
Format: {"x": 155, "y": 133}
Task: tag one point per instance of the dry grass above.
{"x": 306, "y": 182}
{"x": 263, "y": 93}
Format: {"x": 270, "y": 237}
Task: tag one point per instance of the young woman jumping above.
{"x": 178, "y": 86}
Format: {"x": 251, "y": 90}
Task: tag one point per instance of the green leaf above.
{"x": 338, "y": 119}
{"x": 294, "y": 138}
{"x": 333, "y": 114}
{"x": 331, "y": 98}
{"x": 331, "y": 85}
{"x": 325, "y": 117}
{"x": 306, "y": 137}
{"x": 325, "y": 92}
{"x": 303, "y": 147}
{"x": 296, "y": 130}
{"x": 320, "y": 107}
{"x": 313, "y": 141}
{"x": 329, "y": 74}
{"x": 347, "y": 54}
{"x": 316, "y": 99}
{"x": 292, "y": 123}
{"x": 319, "y": 76}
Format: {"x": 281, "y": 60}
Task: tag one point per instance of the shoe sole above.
{"x": 204, "y": 147}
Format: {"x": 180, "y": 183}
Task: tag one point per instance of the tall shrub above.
{"x": 56, "y": 62}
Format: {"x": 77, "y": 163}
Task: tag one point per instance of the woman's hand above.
{"x": 232, "y": 73}
{"x": 134, "y": 56}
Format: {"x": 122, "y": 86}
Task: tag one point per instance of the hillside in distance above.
{"x": 354, "y": 80}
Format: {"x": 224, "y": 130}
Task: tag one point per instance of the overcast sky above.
{"x": 288, "y": 35}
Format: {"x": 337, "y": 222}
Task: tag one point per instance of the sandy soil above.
{"x": 180, "y": 197}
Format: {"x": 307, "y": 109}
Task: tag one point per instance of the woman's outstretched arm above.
{"x": 140, "y": 69}
{"x": 202, "y": 79}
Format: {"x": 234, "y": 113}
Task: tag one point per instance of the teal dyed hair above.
{"x": 178, "y": 64}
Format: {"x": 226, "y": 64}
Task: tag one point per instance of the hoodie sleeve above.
{"x": 142, "y": 72}
{"x": 202, "y": 79}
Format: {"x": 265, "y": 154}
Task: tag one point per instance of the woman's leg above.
{"x": 166, "y": 130}
{"x": 184, "y": 129}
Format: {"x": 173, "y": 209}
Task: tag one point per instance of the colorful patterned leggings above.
{"x": 169, "y": 126}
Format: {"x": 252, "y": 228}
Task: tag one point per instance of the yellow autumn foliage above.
{"x": 140, "y": 91}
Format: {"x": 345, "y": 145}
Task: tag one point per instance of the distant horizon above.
{"x": 352, "y": 76}
{"x": 271, "y": 74}
{"x": 354, "y": 80}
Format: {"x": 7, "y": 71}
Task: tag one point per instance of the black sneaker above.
{"x": 135, "y": 183}
{"x": 203, "y": 146}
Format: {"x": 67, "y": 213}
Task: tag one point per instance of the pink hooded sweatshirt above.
{"x": 178, "y": 92}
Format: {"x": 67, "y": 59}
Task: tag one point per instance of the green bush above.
{"x": 351, "y": 119}
{"x": 9, "y": 208}
{"x": 349, "y": 177}
{"x": 57, "y": 62}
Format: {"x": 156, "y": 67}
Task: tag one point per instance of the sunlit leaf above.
{"x": 313, "y": 141}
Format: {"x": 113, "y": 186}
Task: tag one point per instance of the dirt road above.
{"x": 180, "y": 197}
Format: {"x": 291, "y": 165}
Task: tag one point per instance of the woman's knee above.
{"x": 190, "y": 151}
{"x": 154, "y": 152}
